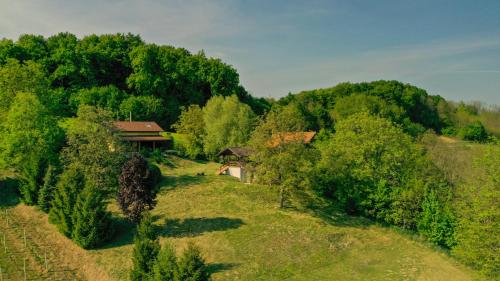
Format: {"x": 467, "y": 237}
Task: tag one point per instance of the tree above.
{"x": 478, "y": 228}
{"x": 280, "y": 161}
{"x": 474, "y": 132}
{"x": 192, "y": 126}
{"x": 46, "y": 194}
{"x": 228, "y": 122}
{"x": 372, "y": 167}
{"x": 146, "y": 249}
{"x": 30, "y": 139}
{"x": 19, "y": 79}
{"x": 108, "y": 98}
{"x": 93, "y": 145}
{"x": 68, "y": 187}
{"x": 137, "y": 189}
{"x": 91, "y": 222}
{"x": 143, "y": 108}
{"x": 165, "y": 266}
{"x": 191, "y": 265}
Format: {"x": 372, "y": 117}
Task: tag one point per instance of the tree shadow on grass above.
{"x": 124, "y": 233}
{"x": 9, "y": 195}
{"x": 171, "y": 182}
{"x": 218, "y": 267}
{"x": 196, "y": 226}
{"x": 328, "y": 212}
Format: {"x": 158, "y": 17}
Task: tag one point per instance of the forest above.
{"x": 376, "y": 154}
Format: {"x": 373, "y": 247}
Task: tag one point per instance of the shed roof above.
{"x": 236, "y": 151}
{"x": 138, "y": 126}
{"x": 286, "y": 137}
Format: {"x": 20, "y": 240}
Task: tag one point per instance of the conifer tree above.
{"x": 166, "y": 264}
{"x": 146, "y": 248}
{"x": 47, "y": 191}
{"x": 67, "y": 189}
{"x": 91, "y": 222}
{"x": 191, "y": 266}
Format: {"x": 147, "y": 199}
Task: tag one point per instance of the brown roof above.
{"x": 145, "y": 138}
{"x": 306, "y": 137}
{"x": 237, "y": 151}
{"x": 135, "y": 126}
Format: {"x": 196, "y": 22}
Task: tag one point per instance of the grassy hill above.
{"x": 245, "y": 236}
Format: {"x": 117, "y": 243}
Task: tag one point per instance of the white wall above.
{"x": 234, "y": 172}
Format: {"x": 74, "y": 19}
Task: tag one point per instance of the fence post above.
{"x": 4, "y": 244}
{"x": 24, "y": 235}
{"x": 46, "y": 264}
{"x": 24, "y": 268}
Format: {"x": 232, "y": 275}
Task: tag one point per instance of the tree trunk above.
{"x": 282, "y": 197}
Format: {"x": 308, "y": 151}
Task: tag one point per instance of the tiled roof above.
{"x": 306, "y": 138}
{"x": 136, "y": 126}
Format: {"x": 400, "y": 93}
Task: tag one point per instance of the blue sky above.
{"x": 450, "y": 48}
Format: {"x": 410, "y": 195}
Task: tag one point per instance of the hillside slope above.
{"x": 244, "y": 236}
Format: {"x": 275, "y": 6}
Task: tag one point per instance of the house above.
{"x": 141, "y": 134}
{"x": 235, "y": 159}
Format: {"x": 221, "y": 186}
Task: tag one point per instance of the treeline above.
{"x": 120, "y": 73}
{"x": 410, "y": 107}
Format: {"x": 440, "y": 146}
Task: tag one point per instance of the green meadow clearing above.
{"x": 245, "y": 236}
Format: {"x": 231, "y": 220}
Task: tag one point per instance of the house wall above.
{"x": 235, "y": 172}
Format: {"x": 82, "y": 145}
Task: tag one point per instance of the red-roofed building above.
{"x": 141, "y": 133}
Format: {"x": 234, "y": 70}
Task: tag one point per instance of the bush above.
{"x": 449, "y": 131}
{"x": 67, "y": 189}
{"x": 436, "y": 222}
{"x": 91, "y": 222}
{"x": 474, "y": 132}
{"x": 191, "y": 266}
{"x": 46, "y": 194}
{"x": 478, "y": 227}
{"x": 137, "y": 187}
{"x": 146, "y": 248}
{"x": 165, "y": 266}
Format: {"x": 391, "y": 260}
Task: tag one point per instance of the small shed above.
{"x": 234, "y": 163}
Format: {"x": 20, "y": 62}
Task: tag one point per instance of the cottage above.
{"x": 145, "y": 134}
{"x": 235, "y": 161}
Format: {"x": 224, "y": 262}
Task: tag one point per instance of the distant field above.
{"x": 245, "y": 236}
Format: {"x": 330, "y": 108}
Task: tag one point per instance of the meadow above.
{"x": 244, "y": 235}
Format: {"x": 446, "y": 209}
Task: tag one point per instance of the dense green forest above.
{"x": 59, "y": 96}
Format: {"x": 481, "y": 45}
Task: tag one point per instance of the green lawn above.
{"x": 245, "y": 236}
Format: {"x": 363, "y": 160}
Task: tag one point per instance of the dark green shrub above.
{"x": 191, "y": 266}
{"x": 474, "y": 132}
{"x": 146, "y": 249}
{"x": 91, "y": 222}
{"x": 165, "y": 266}
{"x": 46, "y": 194}
{"x": 154, "y": 175}
{"x": 70, "y": 183}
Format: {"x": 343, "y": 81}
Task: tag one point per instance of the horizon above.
{"x": 448, "y": 49}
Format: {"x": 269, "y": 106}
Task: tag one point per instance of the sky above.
{"x": 450, "y": 48}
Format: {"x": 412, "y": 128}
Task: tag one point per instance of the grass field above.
{"x": 245, "y": 236}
